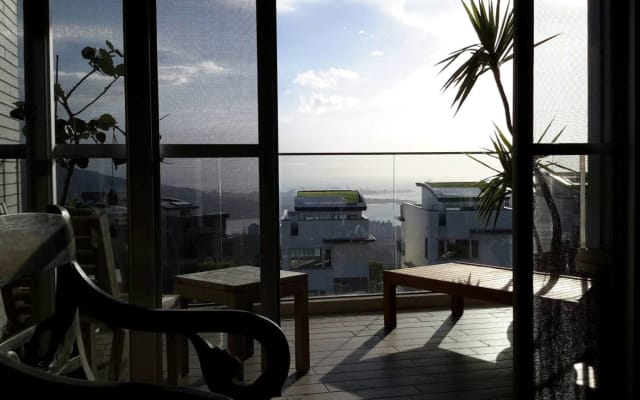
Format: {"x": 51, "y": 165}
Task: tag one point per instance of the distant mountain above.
{"x": 90, "y": 187}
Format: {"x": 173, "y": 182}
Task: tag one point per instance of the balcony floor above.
{"x": 425, "y": 357}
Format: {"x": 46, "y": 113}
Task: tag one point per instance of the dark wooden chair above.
{"x": 35, "y": 243}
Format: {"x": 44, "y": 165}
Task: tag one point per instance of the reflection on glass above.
{"x": 210, "y": 215}
{"x": 101, "y": 190}
{"x": 207, "y": 72}
{"x": 560, "y": 71}
{"x": 11, "y": 170}
{"x": 571, "y": 238}
{"x": 347, "y": 218}
{"x": 88, "y": 75}
{"x": 12, "y": 186}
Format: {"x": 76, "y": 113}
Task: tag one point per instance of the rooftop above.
{"x": 329, "y": 200}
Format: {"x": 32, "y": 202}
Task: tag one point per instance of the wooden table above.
{"x": 239, "y": 288}
{"x": 482, "y": 282}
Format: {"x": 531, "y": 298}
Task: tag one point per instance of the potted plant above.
{"x": 70, "y": 128}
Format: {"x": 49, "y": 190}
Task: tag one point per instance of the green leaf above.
{"x": 61, "y": 131}
{"x": 105, "y": 122}
{"x": 78, "y": 124}
{"x": 88, "y": 53}
{"x": 18, "y": 112}
{"x": 119, "y": 70}
{"x": 100, "y": 136}
{"x": 118, "y": 52}
{"x": 109, "y": 45}
{"x": 108, "y": 69}
{"x": 82, "y": 162}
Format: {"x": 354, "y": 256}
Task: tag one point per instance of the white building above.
{"x": 328, "y": 237}
{"x": 446, "y": 227}
{"x": 10, "y": 169}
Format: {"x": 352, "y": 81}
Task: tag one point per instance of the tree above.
{"x": 494, "y": 28}
{"x": 71, "y": 129}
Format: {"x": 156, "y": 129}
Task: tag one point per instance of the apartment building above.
{"x": 327, "y": 236}
{"x": 445, "y": 227}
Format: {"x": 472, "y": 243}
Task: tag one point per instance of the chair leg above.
{"x": 174, "y": 359}
{"x": 119, "y": 355}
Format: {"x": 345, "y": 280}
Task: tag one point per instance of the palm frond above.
{"x": 479, "y": 161}
{"x": 495, "y": 190}
{"x": 494, "y": 29}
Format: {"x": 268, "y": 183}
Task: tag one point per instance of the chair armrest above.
{"x": 189, "y": 323}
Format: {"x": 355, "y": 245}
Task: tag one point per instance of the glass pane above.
{"x": 362, "y": 76}
{"x": 96, "y": 198}
{"x": 207, "y": 72}
{"x": 561, "y": 90}
{"x": 12, "y": 171}
{"x": 11, "y": 74}
{"x": 572, "y": 244}
{"x": 100, "y": 189}
{"x": 12, "y": 185}
{"x": 347, "y": 218}
{"x": 88, "y": 75}
{"x": 210, "y": 215}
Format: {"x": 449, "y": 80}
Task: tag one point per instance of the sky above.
{"x": 361, "y": 75}
{"x": 353, "y": 76}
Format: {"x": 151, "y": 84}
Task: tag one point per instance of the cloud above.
{"x": 325, "y": 79}
{"x": 377, "y": 53}
{"x": 182, "y": 74}
{"x": 361, "y": 32}
{"x": 319, "y": 103}
{"x": 288, "y": 6}
{"x": 80, "y": 75}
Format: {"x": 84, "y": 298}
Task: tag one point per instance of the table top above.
{"x": 233, "y": 278}
{"x": 559, "y": 287}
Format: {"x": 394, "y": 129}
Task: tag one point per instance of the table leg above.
{"x": 174, "y": 358}
{"x": 389, "y": 299}
{"x": 457, "y": 306}
{"x": 239, "y": 345}
{"x": 301, "y": 316}
{"x": 177, "y": 353}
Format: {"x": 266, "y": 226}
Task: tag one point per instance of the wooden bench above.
{"x": 460, "y": 280}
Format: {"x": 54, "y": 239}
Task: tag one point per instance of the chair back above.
{"x": 49, "y": 351}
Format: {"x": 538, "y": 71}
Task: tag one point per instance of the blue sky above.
{"x": 360, "y": 75}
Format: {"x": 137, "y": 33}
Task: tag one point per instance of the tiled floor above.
{"x": 425, "y": 357}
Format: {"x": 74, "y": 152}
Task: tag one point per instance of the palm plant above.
{"x": 494, "y": 28}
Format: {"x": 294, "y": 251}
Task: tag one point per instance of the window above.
{"x": 442, "y": 219}
{"x": 457, "y": 249}
{"x": 294, "y": 229}
{"x": 309, "y": 258}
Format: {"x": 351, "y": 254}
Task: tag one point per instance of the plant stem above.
{"x": 106, "y": 88}
{"x": 556, "y": 229}
{"x": 67, "y": 182}
{"x": 81, "y": 80}
{"x": 503, "y": 96}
